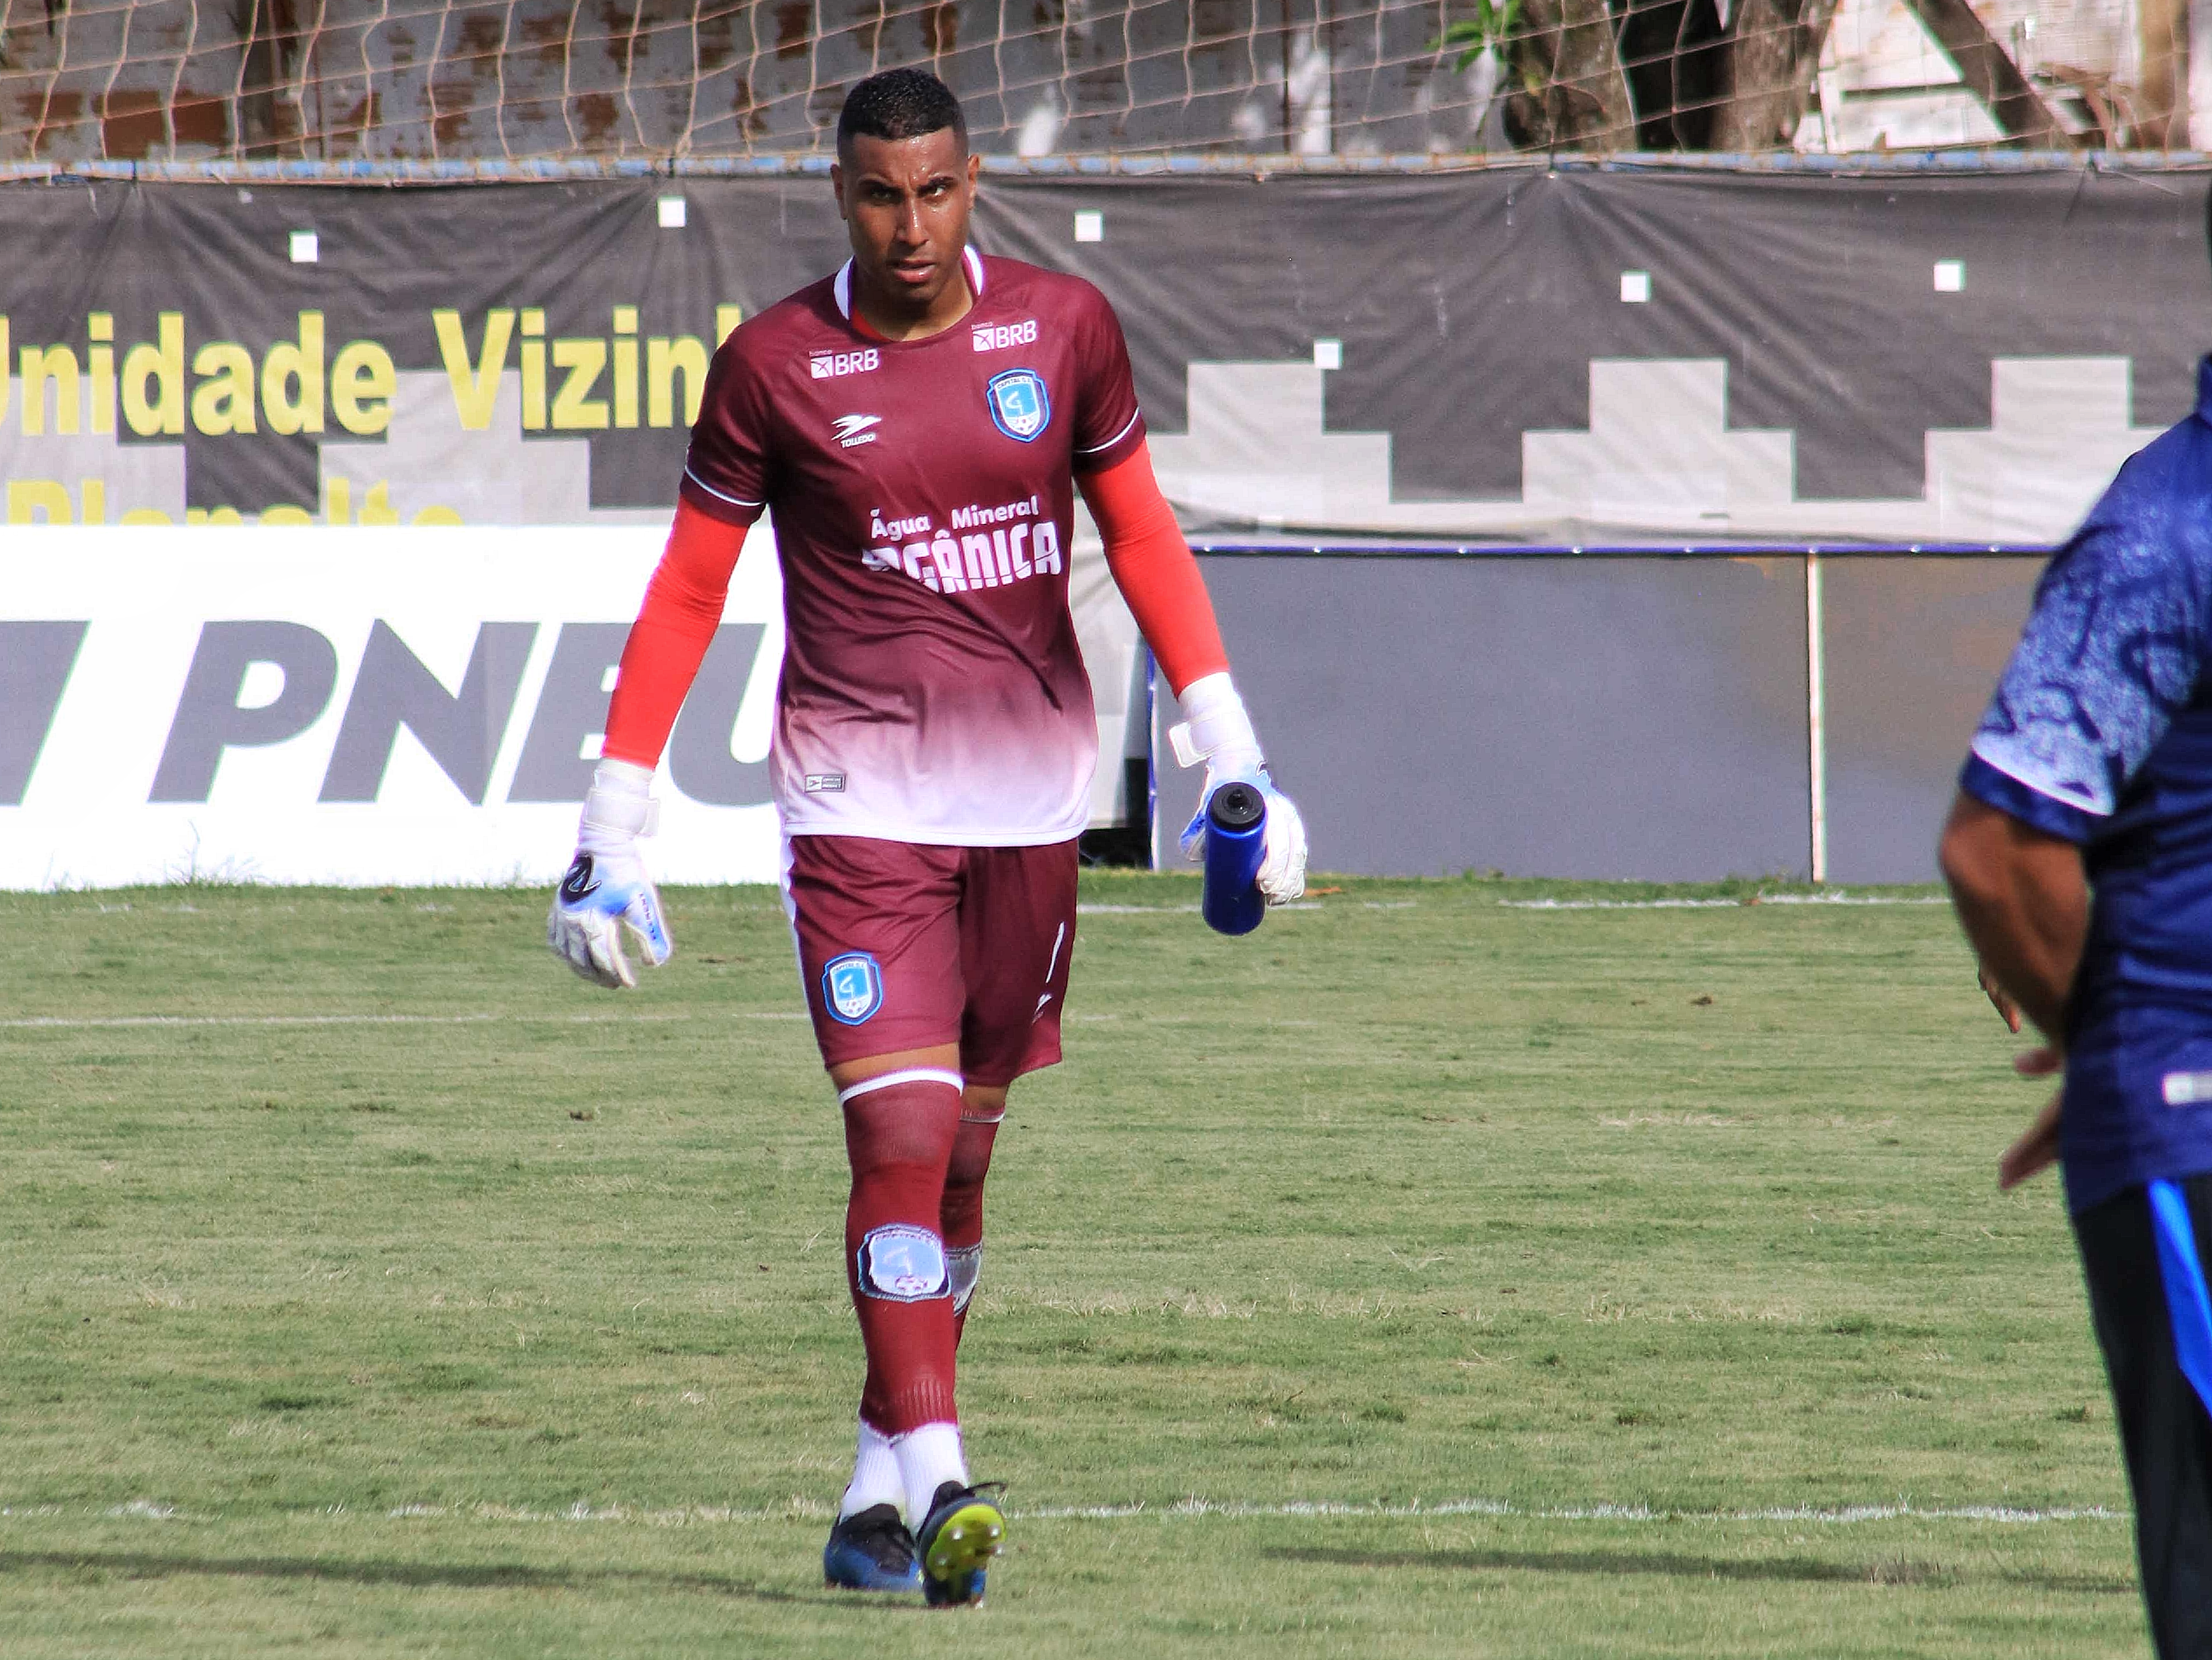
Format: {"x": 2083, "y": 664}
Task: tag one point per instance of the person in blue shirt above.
{"x": 2079, "y": 855}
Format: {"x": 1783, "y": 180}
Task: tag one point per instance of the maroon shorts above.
{"x": 903, "y": 946}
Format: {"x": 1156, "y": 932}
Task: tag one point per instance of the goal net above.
{"x": 520, "y": 79}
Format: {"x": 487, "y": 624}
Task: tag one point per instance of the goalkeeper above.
{"x": 919, "y": 422}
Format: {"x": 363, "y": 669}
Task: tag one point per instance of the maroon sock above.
{"x": 899, "y": 1136}
{"x": 960, "y": 1217}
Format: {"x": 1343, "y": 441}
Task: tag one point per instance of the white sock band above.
{"x": 928, "y": 1457}
{"x": 876, "y": 1477}
{"x": 912, "y": 1074}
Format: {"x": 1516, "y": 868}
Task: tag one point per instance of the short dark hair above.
{"x": 900, "y": 104}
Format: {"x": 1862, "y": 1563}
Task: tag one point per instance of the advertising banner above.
{"x": 1559, "y": 358}
{"x": 357, "y": 705}
{"x": 376, "y": 705}
{"x": 439, "y": 430}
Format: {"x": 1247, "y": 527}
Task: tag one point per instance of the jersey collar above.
{"x": 970, "y": 261}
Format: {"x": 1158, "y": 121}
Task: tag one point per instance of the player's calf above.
{"x": 899, "y": 1133}
{"x": 960, "y": 1215}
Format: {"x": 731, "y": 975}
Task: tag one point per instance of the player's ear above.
{"x": 837, "y": 187}
{"x": 975, "y": 168}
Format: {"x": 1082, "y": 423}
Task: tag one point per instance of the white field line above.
{"x": 1192, "y": 910}
{"x": 59, "y": 1022}
{"x": 1839, "y": 898}
{"x": 1902, "y": 1511}
{"x": 1196, "y": 1508}
{"x": 1235, "y": 1509}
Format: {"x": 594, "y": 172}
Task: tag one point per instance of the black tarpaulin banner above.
{"x": 1537, "y": 358}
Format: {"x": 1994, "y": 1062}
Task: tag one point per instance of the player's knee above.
{"x": 902, "y": 1120}
{"x": 983, "y": 1103}
{"x": 971, "y": 1158}
{"x": 960, "y": 1215}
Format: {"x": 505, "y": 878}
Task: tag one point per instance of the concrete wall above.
{"x": 1641, "y": 717}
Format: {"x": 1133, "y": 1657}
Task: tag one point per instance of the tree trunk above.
{"x": 2162, "y": 123}
{"x": 268, "y": 122}
{"x": 1766, "y": 79}
{"x": 1573, "y": 95}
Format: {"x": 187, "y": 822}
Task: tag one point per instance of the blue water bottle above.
{"x": 1236, "y": 837}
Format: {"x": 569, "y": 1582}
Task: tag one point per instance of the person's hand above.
{"x": 1282, "y": 874}
{"x": 1219, "y": 733}
{"x": 2000, "y": 1000}
{"x": 606, "y": 888}
{"x": 2037, "y": 1149}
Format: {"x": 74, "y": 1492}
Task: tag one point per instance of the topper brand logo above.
{"x": 997, "y": 336}
{"x": 834, "y": 365}
{"x": 852, "y": 429}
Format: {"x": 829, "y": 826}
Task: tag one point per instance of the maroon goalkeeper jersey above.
{"x": 923, "y": 494}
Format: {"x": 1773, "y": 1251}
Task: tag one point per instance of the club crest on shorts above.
{"x": 902, "y": 1263}
{"x": 852, "y": 987}
{"x": 1019, "y": 405}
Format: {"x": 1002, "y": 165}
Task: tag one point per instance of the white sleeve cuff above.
{"x": 621, "y": 799}
{"x": 1218, "y": 724}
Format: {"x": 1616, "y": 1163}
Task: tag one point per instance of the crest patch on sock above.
{"x": 902, "y": 1263}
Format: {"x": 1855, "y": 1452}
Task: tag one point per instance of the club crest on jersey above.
{"x": 1019, "y": 405}
{"x": 852, "y": 987}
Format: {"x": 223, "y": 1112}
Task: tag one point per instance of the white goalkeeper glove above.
{"x": 606, "y": 888}
{"x": 1219, "y": 733}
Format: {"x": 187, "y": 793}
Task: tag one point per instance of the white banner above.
{"x": 369, "y": 705}
{"x": 357, "y": 705}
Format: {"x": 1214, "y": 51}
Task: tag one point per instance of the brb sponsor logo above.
{"x": 998, "y": 336}
{"x": 836, "y": 366}
{"x": 982, "y": 547}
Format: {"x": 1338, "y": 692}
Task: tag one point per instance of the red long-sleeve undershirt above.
{"x": 1152, "y": 565}
{"x": 1153, "y": 569}
{"x": 674, "y": 628}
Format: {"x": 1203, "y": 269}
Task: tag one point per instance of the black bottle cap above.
{"x": 1237, "y": 806}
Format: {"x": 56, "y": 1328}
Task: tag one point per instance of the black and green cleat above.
{"x": 963, "y": 1531}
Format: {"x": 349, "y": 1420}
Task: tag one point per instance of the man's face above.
{"x": 905, "y": 202}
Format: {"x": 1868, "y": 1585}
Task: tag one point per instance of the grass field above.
{"x": 1426, "y": 1274}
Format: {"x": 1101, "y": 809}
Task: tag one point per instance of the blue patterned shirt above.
{"x": 2101, "y": 733}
